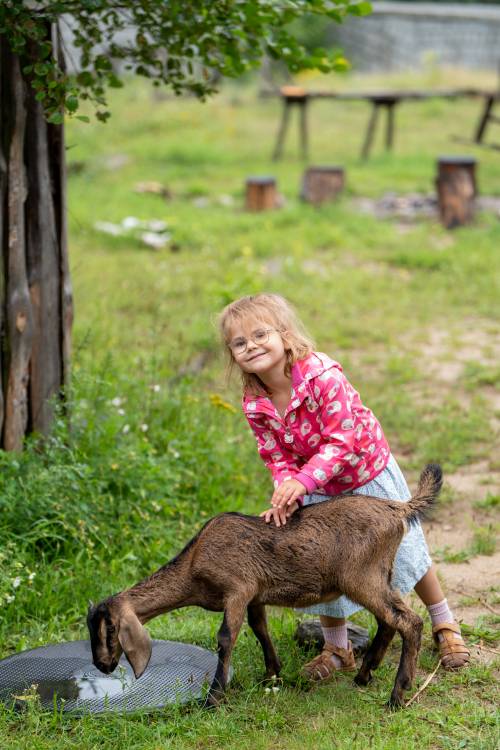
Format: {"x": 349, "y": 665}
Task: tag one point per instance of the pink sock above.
{"x": 440, "y": 612}
{"x": 337, "y": 637}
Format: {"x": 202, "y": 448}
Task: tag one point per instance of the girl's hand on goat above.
{"x": 287, "y": 493}
{"x": 280, "y": 514}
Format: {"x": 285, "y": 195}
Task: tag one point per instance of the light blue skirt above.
{"x": 412, "y": 558}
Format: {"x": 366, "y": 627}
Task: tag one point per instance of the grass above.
{"x": 484, "y": 542}
{"x": 489, "y": 503}
{"x": 157, "y": 445}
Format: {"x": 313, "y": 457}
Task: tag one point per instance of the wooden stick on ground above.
{"x": 479, "y": 599}
{"x": 422, "y": 688}
{"x": 485, "y": 648}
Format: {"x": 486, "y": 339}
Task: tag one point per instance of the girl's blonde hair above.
{"x": 273, "y": 310}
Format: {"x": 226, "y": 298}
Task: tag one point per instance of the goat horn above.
{"x": 91, "y": 604}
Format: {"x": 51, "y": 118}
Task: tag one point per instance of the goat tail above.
{"x": 429, "y": 487}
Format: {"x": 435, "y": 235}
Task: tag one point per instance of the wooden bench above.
{"x": 299, "y": 98}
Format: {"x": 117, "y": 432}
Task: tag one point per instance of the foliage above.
{"x": 176, "y": 43}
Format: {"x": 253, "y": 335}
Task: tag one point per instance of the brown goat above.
{"x": 238, "y": 563}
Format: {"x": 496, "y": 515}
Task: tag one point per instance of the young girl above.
{"x": 318, "y": 439}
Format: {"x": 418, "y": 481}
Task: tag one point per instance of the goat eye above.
{"x": 111, "y": 628}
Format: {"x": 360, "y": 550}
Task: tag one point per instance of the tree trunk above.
{"x": 35, "y": 288}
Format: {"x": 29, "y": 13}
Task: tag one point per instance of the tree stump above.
{"x": 261, "y": 194}
{"x": 456, "y": 189}
{"x": 322, "y": 184}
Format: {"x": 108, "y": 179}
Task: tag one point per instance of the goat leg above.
{"x": 258, "y": 622}
{"x": 375, "y": 653}
{"x": 411, "y": 633}
{"x": 388, "y": 607}
{"x": 234, "y": 613}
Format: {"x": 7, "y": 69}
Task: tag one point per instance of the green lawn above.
{"x": 156, "y": 443}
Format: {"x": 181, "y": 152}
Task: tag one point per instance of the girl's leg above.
{"x": 334, "y": 632}
{"x": 429, "y": 589}
{"x": 452, "y": 648}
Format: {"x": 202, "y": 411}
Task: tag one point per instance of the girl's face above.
{"x": 257, "y": 347}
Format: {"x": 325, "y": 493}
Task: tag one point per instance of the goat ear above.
{"x": 135, "y": 642}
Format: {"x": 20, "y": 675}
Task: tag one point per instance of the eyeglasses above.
{"x": 260, "y": 336}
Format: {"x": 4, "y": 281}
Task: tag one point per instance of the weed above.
{"x": 490, "y": 502}
{"x": 447, "y": 555}
{"x": 484, "y": 540}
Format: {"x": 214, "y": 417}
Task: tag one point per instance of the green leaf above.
{"x": 41, "y": 69}
{"x": 85, "y": 78}
{"x": 72, "y": 103}
{"x": 114, "y": 82}
{"x": 102, "y": 62}
{"x": 360, "y": 9}
{"x": 83, "y": 118}
{"x": 56, "y": 118}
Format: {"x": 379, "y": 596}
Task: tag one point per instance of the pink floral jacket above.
{"x": 327, "y": 439}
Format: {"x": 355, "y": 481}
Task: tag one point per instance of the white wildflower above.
{"x": 126, "y": 428}
{"x": 131, "y": 222}
{"x": 121, "y": 412}
{"x": 155, "y": 387}
{"x": 117, "y": 401}
{"x": 144, "y": 427}
{"x": 16, "y": 582}
{"x": 31, "y": 576}
{"x": 9, "y": 598}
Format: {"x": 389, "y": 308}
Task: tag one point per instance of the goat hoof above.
{"x": 395, "y": 702}
{"x": 363, "y": 679}
{"x": 210, "y": 702}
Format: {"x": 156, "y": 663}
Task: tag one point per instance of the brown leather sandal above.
{"x": 322, "y": 667}
{"x": 452, "y": 649}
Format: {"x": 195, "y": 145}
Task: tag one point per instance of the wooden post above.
{"x": 35, "y": 288}
{"x": 261, "y": 194}
{"x": 456, "y": 188}
{"x": 321, "y": 184}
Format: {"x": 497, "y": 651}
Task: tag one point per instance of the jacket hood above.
{"x": 302, "y": 372}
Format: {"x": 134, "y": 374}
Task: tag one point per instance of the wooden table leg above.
{"x": 389, "y": 133}
{"x": 304, "y": 136}
{"x": 282, "y": 130}
{"x": 488, "y": 104}
{"x": 370, "y": 130}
